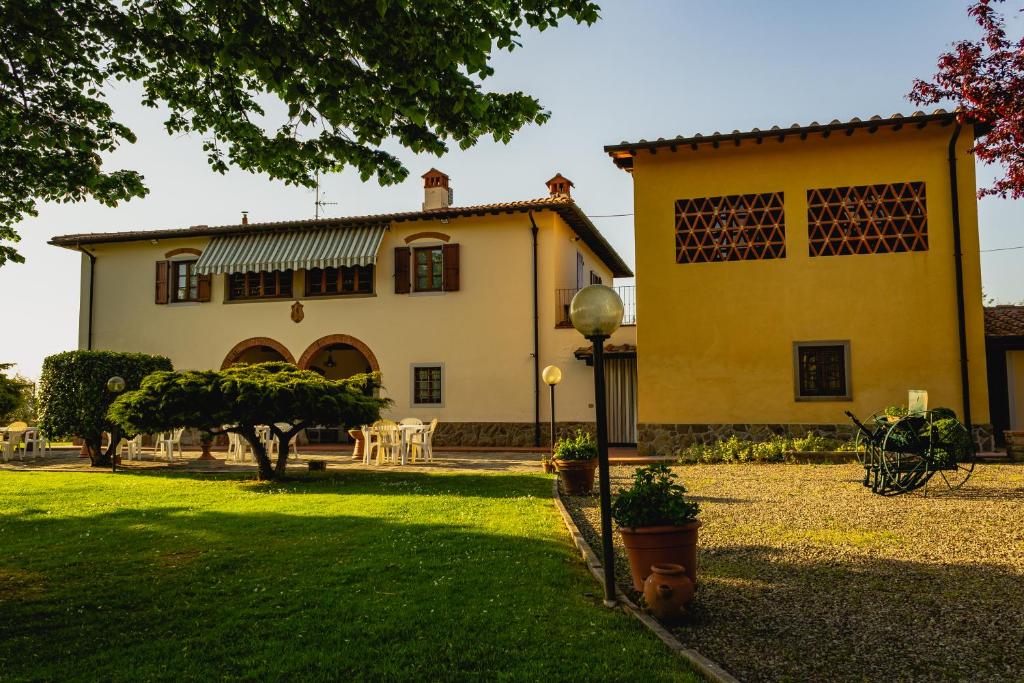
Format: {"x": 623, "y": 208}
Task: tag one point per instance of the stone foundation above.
{"x": 501, "y": 434}
{"x": 670, "y": 439}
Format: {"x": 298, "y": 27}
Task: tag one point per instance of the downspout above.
{"x": 92, "y": 278}
{"x": 536, "y": 339}
{"x": 958, "y": 260}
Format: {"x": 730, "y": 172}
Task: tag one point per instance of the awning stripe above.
{"x": 324, "y": 248}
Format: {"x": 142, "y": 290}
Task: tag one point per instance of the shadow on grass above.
{"x": 179, "y": 593}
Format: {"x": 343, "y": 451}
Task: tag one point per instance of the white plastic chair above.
{"x": 12, "y": 440}
{"x": 387, "y": 442}
{"x": 131, "y": 448}
{"x": 238, "y": 448}
{"x": 168, "y": 443}
{"x": 423, "y": 441}
{"x": 40, "y": 446}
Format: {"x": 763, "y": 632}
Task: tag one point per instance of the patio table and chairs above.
{"x": 11, "y": 439}
{"x": 406, "y": 441}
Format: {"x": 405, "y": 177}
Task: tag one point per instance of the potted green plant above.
{"x": 575, "y": 459}
{"x": 657, "y": 523}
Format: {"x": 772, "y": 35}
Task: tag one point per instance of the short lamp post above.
{"x": 115, "y": 385}
{"x": 596, "y": 311}
{"x": 552, "y": 375}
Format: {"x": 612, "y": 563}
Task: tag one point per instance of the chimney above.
{"x": 559, "y": 186}
{"x": 245, "y": 218}
{"x": 436, "y": 192}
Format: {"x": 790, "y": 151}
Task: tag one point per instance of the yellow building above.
{"x": 788, "y": 275}
{"x": 457, "y": 307}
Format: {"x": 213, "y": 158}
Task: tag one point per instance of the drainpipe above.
{"x": 958, "y": 260}
{"x": 92, "y": 277}
{"x": 536, "y": 340}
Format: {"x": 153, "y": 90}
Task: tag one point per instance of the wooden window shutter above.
{"x": 403, "y": 280}
{"x": 204, "y": 282}
{"x": 450, "y": 257}
{"x": 163, "y": 281}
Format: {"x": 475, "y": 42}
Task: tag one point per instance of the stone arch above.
{"x": 331, "y": 339}
{"x": 183, "y": 250}
{"x": 241, "y": 347}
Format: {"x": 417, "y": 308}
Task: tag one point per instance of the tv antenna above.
{"x": 319, "y": 202}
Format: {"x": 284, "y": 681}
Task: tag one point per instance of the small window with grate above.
{"x": 426, "y": 384}
{"x": 822, "y": 371}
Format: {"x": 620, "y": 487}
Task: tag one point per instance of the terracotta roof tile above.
{"x": 1004, "y": 321}
{"x": 622, "y": 154}
{"x": 564, "y": 206}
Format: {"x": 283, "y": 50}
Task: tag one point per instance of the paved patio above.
{"x": 65, "y": 460}
{"x": 340, "y": 457}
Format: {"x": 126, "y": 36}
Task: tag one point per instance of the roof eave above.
{"x": 622, "y": 154}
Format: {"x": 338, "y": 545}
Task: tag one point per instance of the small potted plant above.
{"x": 657, "y": 523}
{"x": 575, "y": 459}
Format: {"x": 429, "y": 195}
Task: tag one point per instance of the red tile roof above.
{"x": 1004, "y": 321}
{"x": 622, "y": 154}
{"x": 563, "y": 206}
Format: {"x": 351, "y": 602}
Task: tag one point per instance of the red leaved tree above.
{"x": 985, "y": 79}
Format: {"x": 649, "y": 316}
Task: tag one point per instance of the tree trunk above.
{"x": 284, "y": 444}
{"x": 97, "y": 456}
{"x": 266, "y": 469}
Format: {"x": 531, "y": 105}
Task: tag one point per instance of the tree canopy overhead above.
{"x": 352, "y": 74}
{"x": 985, "y": 79}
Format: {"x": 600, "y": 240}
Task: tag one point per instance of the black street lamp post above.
{"x": 596, "y": 311}
{"x": 552, "y": 375}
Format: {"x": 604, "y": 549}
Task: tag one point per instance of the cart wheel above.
{"x": 904, "y": 454}
{"x": 953, "y": 452}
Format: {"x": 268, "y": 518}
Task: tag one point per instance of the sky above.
{"x": 647, "y": 69}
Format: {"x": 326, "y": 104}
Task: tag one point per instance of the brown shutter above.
{"x": 403, "y": 282}
{"x": 450, "y": 256}
{"x": 204, "y": 287}
{"x": 163, "y": 281}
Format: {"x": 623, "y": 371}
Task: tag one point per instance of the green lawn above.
{"x": 357, "y": 576}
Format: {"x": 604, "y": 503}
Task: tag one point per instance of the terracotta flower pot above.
{"x": 652, "y": 545}
{"x": 668, "y": 592}
{"x": 577, "y": 475}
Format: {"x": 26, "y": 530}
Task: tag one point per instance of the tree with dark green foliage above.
{"x": 241, "y": 397}
{"x": 350, "y": 74}
{"x": 12, "y": 393}
{"x": 74, "y": 399}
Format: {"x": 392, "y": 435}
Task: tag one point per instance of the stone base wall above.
{"x": 670, "y": 439}
{"x": 499, "y": 434}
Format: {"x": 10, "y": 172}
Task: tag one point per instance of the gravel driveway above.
{"x": 805, "y": 575}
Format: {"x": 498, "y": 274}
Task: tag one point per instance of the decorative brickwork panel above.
{"x": 867, "y": 219}
{"x": 738, "y": 227}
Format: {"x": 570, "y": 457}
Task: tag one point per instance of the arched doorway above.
{"x": 336, "y": 356}
{"x": 257, "y": 350}
{"x": 339, "y": 356}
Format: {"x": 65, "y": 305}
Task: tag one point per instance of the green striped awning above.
{"x": 323, "y": 248}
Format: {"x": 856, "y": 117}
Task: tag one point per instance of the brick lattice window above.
{"x": 867, "y": 219}
{"x": 738, "y": 227}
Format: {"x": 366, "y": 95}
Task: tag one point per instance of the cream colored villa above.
{"x": 458, "y": 307}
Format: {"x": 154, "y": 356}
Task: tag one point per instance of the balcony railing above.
{"x": 563, "y": 297}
